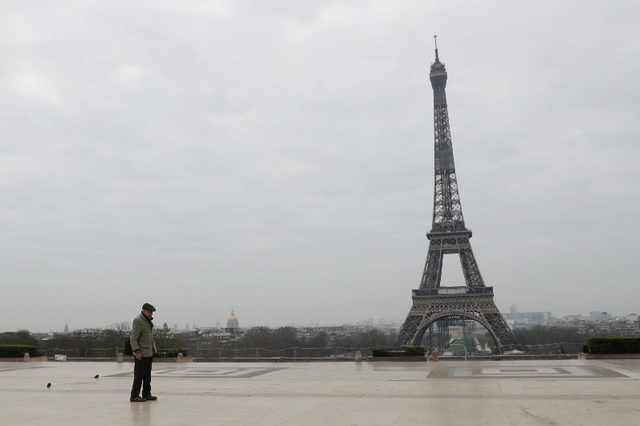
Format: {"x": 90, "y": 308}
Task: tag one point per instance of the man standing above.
{"x": 143, "y": 348}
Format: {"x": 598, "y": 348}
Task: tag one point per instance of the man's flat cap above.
{"x": 148, "y": 307}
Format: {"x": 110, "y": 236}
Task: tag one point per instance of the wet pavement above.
{"x": 572, "y": 392}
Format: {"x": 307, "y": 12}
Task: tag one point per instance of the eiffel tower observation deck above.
{"x": 433, "y": 303}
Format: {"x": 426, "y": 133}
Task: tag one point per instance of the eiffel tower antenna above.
{"x": 433, "y": 303}
{"x": 435, "y": 40}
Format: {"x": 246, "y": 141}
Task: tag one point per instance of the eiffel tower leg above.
{"x": 498, "y": 327}
{"x": 409, "y": 330}
{"x": 433, "y": 266}
{"x": 470, "y": 267}
{"x": 430, "y": 277}
{"x": 503, "y": 331}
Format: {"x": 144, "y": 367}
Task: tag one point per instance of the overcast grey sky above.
{"x": 277, "y": 157}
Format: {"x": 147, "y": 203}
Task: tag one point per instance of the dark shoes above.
{"x": 145, "y": 399}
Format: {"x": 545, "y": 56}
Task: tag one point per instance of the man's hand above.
{"x": 138, "y": 355}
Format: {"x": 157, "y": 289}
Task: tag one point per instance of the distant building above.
{"x": 596, "y": 315}
{"x": 529, "y": 317}
{"x": 66, "y": 328}
{"x": 571, "y": 318}
{"x": 175, "y": 327}
{"x": 513, "y": 309}
{"x": 233, "y": 325}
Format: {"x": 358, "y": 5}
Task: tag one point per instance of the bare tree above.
{"x": 123, "y": 329}
{"x": 164, "y": 337}
{"x": 259, "y": 337}
{"x": 286, "y": 337}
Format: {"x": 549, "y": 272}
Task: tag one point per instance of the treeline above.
{"x": 289, "y": 337}
{"x": 83, "y": 342}
{"x": 541, "y": 335}
{"x": 94, "y": 342}
{"x": 20, "y": 337}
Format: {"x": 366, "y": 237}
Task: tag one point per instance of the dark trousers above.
{"x": 142, "y": 377}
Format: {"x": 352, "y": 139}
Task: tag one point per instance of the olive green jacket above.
{"x": 142, "y": 336}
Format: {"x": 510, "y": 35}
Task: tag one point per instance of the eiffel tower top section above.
{"x": 438, "y": 74}
{"x": 447, "y": 209}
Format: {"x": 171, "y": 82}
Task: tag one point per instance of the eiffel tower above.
{"x": 449, "y": 235}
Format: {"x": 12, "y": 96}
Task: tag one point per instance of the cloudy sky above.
{"x": 276, "y": 157}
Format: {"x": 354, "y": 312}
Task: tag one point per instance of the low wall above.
{"x": 156, "y": 359}
{"x": 272, "y": 359}
{"x": 608, "y": 356}
{"x": 32, "y": 359}
{"x": 177, "y": 360}
{"x": 397, "y": 359}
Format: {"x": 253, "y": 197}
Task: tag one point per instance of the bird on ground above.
{"x": 96, "y": 376}
{"x": 48, "y": 385}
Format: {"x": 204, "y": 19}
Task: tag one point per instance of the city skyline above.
{"x": 279, "y": 158}
{"x": 372, "y": 321}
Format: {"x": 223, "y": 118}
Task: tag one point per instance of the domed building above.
{"x": 233, "y": 326}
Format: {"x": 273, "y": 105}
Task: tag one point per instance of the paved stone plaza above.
{"x": 576, "y": 392}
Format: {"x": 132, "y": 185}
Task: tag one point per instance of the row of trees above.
{"x": 20, "y": 337}
{"x": 106, "y": 342}
{"x": 541, "y": 335}
{"x": 86, "y": 341}
{"x": 89, "y": 341}
{"x": 289, "y": 337}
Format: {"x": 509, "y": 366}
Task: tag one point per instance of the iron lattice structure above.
{"x": 449, "y": 235}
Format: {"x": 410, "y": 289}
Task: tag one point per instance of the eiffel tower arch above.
{"x": 449, "y": 235}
